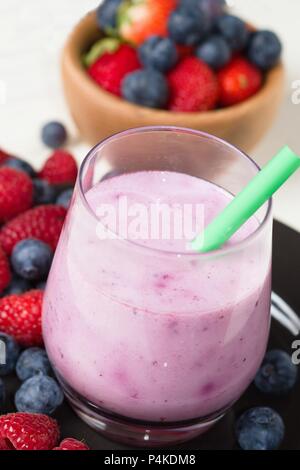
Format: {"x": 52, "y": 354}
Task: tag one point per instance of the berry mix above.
{"x": 33, "y": 207}
{"x": 179, "y": 55}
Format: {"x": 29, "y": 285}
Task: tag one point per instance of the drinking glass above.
{"x": 141, "y": 366}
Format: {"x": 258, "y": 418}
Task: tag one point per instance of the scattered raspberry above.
{"x": 5, "y": 273}
{"x": 139, "y": 20}
{"x": 110, "y": 69}
{"x": 16, "y": 193}
{"x": 4, "y": 445}
{"x": 238, "y": 81}
{"x": 60, "y": 168}
{"x": 26, "y": 431}
{"x": 20, "y": 317}
{"x": 41, "y": 222}
{"x": 3, "y": 156}
{"x": 72, "y": 444}
{"x": 193, "y": 86}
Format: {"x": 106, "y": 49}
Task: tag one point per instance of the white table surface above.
{"x": 31, "y": 37}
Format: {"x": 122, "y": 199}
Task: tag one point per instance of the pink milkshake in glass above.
{"x": 151, "y": 341}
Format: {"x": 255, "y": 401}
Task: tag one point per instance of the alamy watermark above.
{"x": 154, "y": 221}
{"x": 2, "y": 352}
{"x": 296, "y": 92}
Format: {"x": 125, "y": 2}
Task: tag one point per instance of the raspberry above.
{"x": 26, "y": 431}
{"x": 60, "y": 168}
{"x": 42, "y": 222}
{"x": 20, "y": 317}
{"x": 71, "y": 444}
{"x": 110, "y": 69}
{"x": 5, "y": 273}
{"x": 193, "y": 86}
{"x": 16, "y": 193}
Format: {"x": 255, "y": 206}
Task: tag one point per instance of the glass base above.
{"x": 133, "y": 432}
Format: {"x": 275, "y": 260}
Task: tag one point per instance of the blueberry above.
{"x": 111, "y": 174}
{"x": 31, "y": 259}
{"x": 264, "y": 49}
{"x": 32, "y": 361}
{"x": 277, "y": 375}
{"x": 41, "y": 286}
{"x": 44, "y": 193}
{"x": 158, "y": 53}
{"x": 214, "y": 51}
{"x": 234, "y": 30}
{"x": 64, "y": 199}
{"x": 21, "y": 165}
{"x": 260, "y": 428}
{"x": 146, "y": 88}
{"x": 2, "y": 394}
{"x": 39, "y": 394}
{"x": 187, "y": 28}
{"x": 54, "y": 135}
{"x": 9, "y": 353}
{"x": 107, "y": 14}
{"x": 17, "y": 286}
{"x": 212, "y": 8}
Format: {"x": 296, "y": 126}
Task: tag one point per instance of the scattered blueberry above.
{"x": 54, "y": 135}
{"x": 64, "y": 199}
{"x": 234, "y": 30}
{"x": 264, "y": 49}
{"x": 32, "y": 361}
{"x": 21, "y": 165}
{"x": 158, "y": 53}
{"x": 277, "y": 375}
{"x": 107, "y": 13}
{"x": 9, "y": 353}
{"x": 2, "y": 394}
{"x": 31, "y": 259}
{"x": 187, "y": 28}
{"x": 260, "y": 429}
{"x": 146, "y": 88}
{"x": 44, "y": 193}
{"x": 39, "y": 394}
{"x": 111, "y": 174}
{"x": 17, "y": 286}
{"x": 41, "y": 286}
{"x": 215, "y": 51}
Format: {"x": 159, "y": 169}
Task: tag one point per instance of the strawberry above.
{"x": 139, "y": 20}
{"x": 3, "y": 156}
{"x": 193, "y": 86}
{"x": 16, "y": 193}
{"x": 60, "y": 168}
{"x": 5, "y": 273}
{"x": 20, "y": 317}
{"x": 110, "y": 69}
{"x": 28, "y": 431}
{"x": 41, "y": 222}
{"x": 71, "y": 444}
{"x": 238, "y": 81}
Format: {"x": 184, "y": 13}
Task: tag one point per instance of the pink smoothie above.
{"x": 146, "y": 329}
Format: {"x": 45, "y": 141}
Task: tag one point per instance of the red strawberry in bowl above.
{"x": 193, "y": 86}
{"x": 139, "y": 20}
{"x": 111, "y": 67}
{"x": 239, "y": 80}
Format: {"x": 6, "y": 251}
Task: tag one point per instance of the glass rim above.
{"x": 224, "y": 250}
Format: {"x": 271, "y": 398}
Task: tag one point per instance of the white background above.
{"x": 32, "y": 33}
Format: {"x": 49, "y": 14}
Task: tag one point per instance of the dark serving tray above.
{"x": 286, "y": 283}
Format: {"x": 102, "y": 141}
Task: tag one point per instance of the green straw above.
{"x": 248, "y": 201}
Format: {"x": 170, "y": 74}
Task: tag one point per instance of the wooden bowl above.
{"x": 99, "y": 114}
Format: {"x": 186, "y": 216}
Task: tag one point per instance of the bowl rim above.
{"x": 71, "y": 59}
